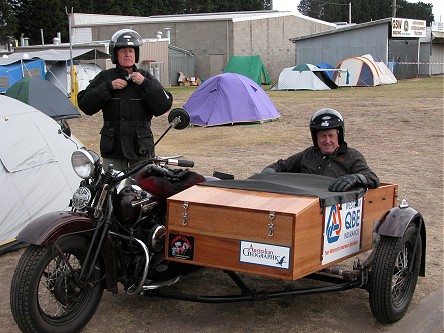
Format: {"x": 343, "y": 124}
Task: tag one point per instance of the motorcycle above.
{"x": 145, "y": 233}
{"x": 113, "y": 234}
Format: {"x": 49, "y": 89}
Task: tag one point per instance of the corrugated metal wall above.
{"x": 333, "y": 48}
{"x": 404, "y": 52}
{"x": 154, "y": 58}
{"x": 180, "y": 61}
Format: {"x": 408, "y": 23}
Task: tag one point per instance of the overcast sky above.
{"x": 438, "y": 7}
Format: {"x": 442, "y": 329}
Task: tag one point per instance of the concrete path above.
{"x": 426, "y": 318}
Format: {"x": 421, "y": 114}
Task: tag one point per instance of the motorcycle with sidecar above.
{"x": 146, "y": 233}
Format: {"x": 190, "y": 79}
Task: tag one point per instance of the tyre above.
{"x": 44, "y": 295}
{"x": 392, "y": 283}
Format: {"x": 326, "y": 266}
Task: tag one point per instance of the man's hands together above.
{"x": 136, "y": 77}
{"x": 347, "y": 182}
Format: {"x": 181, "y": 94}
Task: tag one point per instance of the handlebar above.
{"x": 156, "y": 160}
{"x": 182, "y": 163}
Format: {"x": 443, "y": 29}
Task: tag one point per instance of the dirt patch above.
{"x": 398, "y": 128}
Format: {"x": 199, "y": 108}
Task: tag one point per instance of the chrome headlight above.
{"x": 83, "y": 163}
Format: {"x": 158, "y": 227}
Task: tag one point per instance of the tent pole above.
{"x": 70, "y": 48}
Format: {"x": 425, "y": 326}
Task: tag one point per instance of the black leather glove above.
{"x": 268, "y": 170}
{"x": 347, "y": 182}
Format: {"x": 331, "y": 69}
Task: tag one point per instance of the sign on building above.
{"x": 408, "y": 28}
{"x": 438, "y": 26}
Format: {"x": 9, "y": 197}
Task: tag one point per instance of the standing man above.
{"x": 329, "y": 155}
{"x": 128, "y": 97}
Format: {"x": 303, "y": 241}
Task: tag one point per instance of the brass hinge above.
{"x": 185, "y": 213}
{"x": 271, "y": 216}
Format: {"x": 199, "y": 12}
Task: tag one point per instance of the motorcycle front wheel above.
{"x": 44, "y": 294}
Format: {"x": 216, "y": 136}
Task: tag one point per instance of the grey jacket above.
{"x": 344, "y": 161}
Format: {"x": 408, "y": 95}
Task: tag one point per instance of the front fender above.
{"x": 47, "y": 228}
{"x": 395, "y": 222}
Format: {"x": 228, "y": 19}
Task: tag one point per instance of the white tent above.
{"x": 59, "y": 75}
{"x": 36, "y": 176}
{"x": 365, "y": 71}
{"x": 303, "y": 77}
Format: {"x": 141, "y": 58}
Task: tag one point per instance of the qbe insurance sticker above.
{"x": 342, "y": 232}
{"x": 265, "y": 254}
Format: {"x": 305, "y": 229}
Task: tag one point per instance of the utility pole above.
{"x": 350, "y": 12}
{"x": 72, "y": 73}
{"x": 394, "y": 8}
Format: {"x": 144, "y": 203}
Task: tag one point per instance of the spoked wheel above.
{"x": 394, "y": 274}
{"x": 45, "y": 296}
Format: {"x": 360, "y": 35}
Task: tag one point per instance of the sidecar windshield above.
{"x": 292, "y": 183}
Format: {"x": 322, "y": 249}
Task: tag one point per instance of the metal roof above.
{"x": 81, "y": 19}
{"x": 57, "y": 55}
{"x": 343, "y": 28}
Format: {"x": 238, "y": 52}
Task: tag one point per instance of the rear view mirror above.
{"x": 179, "y": 118}
{"x": 65, "y": 127}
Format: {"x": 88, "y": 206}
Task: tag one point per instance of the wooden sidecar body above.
{"x": 279, "y": 225}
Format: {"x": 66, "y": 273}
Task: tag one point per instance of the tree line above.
{"x": 365, "y": 10}
{"x": 29, "y": 18}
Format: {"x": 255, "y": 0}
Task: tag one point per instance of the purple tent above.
{"x": 229, "y": 98}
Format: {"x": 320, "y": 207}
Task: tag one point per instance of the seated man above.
{"x": 329, "y": 155}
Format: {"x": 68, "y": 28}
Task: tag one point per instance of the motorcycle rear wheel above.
{"x": 44, "y": 296}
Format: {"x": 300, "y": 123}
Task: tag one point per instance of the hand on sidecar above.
{"x": 347, "y": 182}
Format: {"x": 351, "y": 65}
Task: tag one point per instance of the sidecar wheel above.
{"x": 44, "y": 295}
{"x": 391, "y": 284}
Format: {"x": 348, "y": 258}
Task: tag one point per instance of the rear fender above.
{"x": 395, "y": 222}
{"x": 47, "y": 229}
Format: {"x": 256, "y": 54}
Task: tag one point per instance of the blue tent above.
{"x": 330, "y": 68}
{"x": 13, "y": 70}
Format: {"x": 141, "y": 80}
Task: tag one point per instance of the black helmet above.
{"x": 124, "y": 38}
{"x": 326, "y": 119}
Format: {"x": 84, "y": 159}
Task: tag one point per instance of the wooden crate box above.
{"x": 270, "y": 234}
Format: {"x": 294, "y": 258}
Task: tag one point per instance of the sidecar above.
{"x": 289, "y": 226}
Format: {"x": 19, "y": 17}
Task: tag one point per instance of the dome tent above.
{"x": 303, "y": 77}
{"x": 364, "y": 71}
{"x": 44, "y": 96}
{"x": 249, "y": 66}
{"x": 35, "y": 168}
{"x": 229, "y": 98}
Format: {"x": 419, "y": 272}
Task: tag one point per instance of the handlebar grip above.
{"x": 182, "y": 163}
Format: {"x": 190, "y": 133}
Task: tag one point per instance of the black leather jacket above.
{"x": 344, "y": 161}
{"x": 127, "y": 113}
